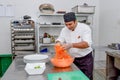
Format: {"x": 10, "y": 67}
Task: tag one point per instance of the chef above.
{"x": 75, "y": 37}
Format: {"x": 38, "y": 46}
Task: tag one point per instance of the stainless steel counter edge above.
{"x": 16, "y": 71}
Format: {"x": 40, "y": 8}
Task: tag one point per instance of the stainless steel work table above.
{"x": 113, "y": 65}
{"x": 16, "y": 71}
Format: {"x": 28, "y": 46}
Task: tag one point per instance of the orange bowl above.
{"x": 62, "y": 62}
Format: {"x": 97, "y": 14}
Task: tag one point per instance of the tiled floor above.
{"x": 99, "y": 64}
{"x": 99, "y": 70}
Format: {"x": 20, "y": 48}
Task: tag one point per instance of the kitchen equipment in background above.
{"x": 56, "y": 23}
{"x": 52, "y": 39}
{"x": 23, "y": 38}
{"x": 35, "y": 68}
{"x": 52, "y": 24}
{"x": 35, "y": 58}
{"x": 84, "y": 9}
{"x": 44, "y": 50}
{"x": 115, "y": 46}
{"x": 46, "y": 8}
{"x": 46, "y": 40}
{"x": 26, "y": 17}
{"x": 61, "y": 12}
{"x": 85, "y": 21}
{"x": 27, "y": 20}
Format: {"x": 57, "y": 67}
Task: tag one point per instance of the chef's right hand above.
{"x": 58, "y": 42}
{"x": 67, "y": 46}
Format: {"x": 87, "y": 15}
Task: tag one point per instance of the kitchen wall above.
{"x": 30, "y": 7}
{"x": 109, "y": 22}
{"x": 109, "y": 27}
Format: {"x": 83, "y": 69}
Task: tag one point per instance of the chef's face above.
{"x": 71, "y": 25}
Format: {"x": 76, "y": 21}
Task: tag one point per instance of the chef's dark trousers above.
{"x": 85, "y": 64}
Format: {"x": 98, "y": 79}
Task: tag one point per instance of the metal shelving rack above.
{"x": 45, "y": 25}
{"x": 23, "y": 37}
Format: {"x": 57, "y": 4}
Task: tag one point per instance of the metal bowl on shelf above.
{"x": 46, "y": 8}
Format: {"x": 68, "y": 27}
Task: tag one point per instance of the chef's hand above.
{"x": 67, "y": 46}
{"x": 58, "y": 42}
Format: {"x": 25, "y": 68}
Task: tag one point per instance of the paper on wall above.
{"x": 10, "y": 9}
{"x": 2, "y": 10}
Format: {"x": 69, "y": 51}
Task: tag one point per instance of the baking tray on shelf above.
{"x": 24, "y": 48}
{"x": 24, "y": 41}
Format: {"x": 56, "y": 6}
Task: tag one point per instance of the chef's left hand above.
{"x": 67, "y": 46}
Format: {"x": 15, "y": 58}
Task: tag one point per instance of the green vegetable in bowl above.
{"x": 37, "y": 67}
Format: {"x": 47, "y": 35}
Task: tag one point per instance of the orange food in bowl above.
{"x": 62, "y": 62}
{"x": 60, "y": 69}
{"x": 61, "y": 58}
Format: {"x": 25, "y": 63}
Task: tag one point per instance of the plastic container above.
{"x": 83, "y": 9}
{"x": 44, "y": 50}
{"x": 46, "y": 40}
{"x": 34, "y": 58}
{"x": 5, "y": 61}
{"x": 35, "y": 68}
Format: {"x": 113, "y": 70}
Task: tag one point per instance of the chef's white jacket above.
{"x": 82, "y": 32}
